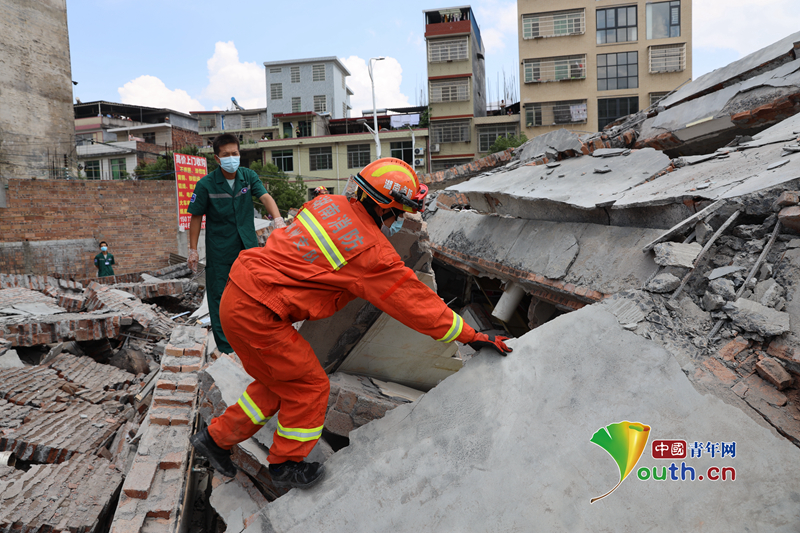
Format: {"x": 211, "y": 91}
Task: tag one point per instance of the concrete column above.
{"x": 511, "y": 298}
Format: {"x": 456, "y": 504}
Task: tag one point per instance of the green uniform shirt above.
{"x": 104, "y": 264}
{"x": 229, "y": 213}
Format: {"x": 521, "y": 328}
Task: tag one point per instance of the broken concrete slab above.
{"x": 425, "y": 457}
{"x": 662, "y": 283}
{"x": 676, "y": 254}
{"x": 752, "y": 316}
{"x": 559, "y": 141}
{"x": 580, "y": 196}
{"x": 724, "y": 271}
{"x": 235, "y": 500}
{"x": 10, "y": 359}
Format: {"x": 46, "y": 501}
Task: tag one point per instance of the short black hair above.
{"x": 222, "y": 140}
{"x": 102, "y": 243}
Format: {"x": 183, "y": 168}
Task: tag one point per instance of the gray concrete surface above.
{"x": 577, "y": 253}
{"x": 504, "y": 446}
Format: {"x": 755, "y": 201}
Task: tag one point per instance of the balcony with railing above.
{"x": 667, "y": 58}
{"x": 448, "y": 21}
{"x": 555, "y": 69}
{"x": 554, "y": 24}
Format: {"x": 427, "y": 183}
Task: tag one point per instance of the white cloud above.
{"x": 228, "y": 77}
{"x": 388, "y": 75}
{"x": 151, "y": 91}
{"x": 743, "y": 25}
{"x": 498, "y": 22}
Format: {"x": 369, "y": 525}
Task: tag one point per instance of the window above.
{"x": 295, "y": 74}
{"x": 555, "y": 24}
{"x": 250, "y": 121}
{"x": 318, "y": 72}
{"x": 555, "y": 69}
{"x": 610, "y": 109}
{"x": 403, "y": 150}
{"x": 283, "y": 159}
{"x": 92, "y": 169}
{"x": 451, "y": 90}
{"x": 444, "y": 164}
{"x": 549, "y": 113}
{"x": 295, "y": 104}
{"x": 276, "y": 91}
{"x": 618, "y": 71}
{"x": 616, "y": 25}
{"x": 450, "y": 131}
{"x": 275, "y": 70}
{"x": 358, "y": 155}
{"x": 656, "y": 97}
{"x": 320, "y": 158}
{"x": 488, "y": 134}
{"x": 344, "y": 110}
{"x": 663, "y": 20}
{"x": 118, "y": 169}
{"x": 667, "y": 58}
{"x": 304, "y": 128}
{"x": 320, "y": 104}
{"x": 274, "y": 121}
{"x": 440, "y": 51}
{"x": 149, "y": 137}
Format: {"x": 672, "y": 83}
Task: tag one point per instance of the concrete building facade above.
{"x": 249, "y": 125}
{"x": 317, "y": 84}
{"x": 456, "y": 84}
{"x": 584, "y": 63}
{"x": 37, "y": 139}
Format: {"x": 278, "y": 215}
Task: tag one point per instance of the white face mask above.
{"x": 394, "y": 228}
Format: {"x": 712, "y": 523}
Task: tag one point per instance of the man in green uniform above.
{"x": 104, "y": 261}
{"x": 225, "y": 197}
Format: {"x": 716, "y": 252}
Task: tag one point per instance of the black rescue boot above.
{"x": 296, "y": 475}
{"x": 220, "y": 459}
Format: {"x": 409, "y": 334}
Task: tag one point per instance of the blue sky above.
{"x": 193, "y": 56}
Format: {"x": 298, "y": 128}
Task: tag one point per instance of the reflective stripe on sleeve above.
{"x": 326, "y": 245}
{"x": 300, "y": 434}
{"x": 455, "y": 330}
{"x": 251, "y": 410}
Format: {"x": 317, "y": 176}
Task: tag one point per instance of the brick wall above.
{"x": 182, "y": 138}
{"x": 47, "y": 224}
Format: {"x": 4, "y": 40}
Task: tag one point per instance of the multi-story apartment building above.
{"x": 585, "y": 63}
{"x": 317, "y": 84}
{"x": 460, "y": 130}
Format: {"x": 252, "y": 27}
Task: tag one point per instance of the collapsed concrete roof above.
{"x": 505, "y": 443}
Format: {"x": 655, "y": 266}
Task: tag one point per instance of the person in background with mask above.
{"x": 225, "y": 197}
{"x": 104, "y": 261}
{"x": 334, "y": 251}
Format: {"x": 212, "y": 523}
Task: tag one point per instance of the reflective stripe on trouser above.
{"x": 287, "y": 376}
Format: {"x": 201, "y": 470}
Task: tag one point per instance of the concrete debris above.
{"x": 771, "y": 370}
{"x": 10, "y": 359}
{"x": 724, "y": 288}
{"x": 452, "y": 441}
{"x": 355, "y": 401}
{"x": 676, "y": 254}
{"x": 752, "y": 316}
{"x": 712, "y": 302}
{"x": 661, "y": 283}
{"x": 724, "y": 271}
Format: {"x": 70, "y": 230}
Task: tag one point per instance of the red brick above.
{"x": 771, "y": 370}
{"x": 173, "y": 351}
{"x": 180, "y": 418}
{"x": 733, "y": 348}
{"x": 790, "y": 217}
{"x": 191, "y": 368}
{"x": 140, "y": 478}
{"x": 166, "y": 384}
{"x": 160, "y": 417}
{"x": 788, "y": 198}
{"x": 195, "y": 351}
{"x": 170, "y": 461}
{"x": 760, "y": 389}
{"x": 722, "y": 372}
{"x": 188, "y": 383}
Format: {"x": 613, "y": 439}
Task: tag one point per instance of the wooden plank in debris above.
{"x": 676, "y": 228}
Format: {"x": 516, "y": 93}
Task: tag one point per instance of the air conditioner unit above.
{"x": 435, "y": 148}
{"x": 419, "y": 151}
{"x": 419, "y": 162}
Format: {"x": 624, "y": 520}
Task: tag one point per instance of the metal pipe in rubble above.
{"x": 511, "y": 298}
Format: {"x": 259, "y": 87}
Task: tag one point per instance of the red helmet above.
{"x": 320, "y": 190}
{"x": 392, "y": 183}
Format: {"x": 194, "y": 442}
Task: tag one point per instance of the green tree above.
{"x": 287, "y": 193}
{"x": 503, "y": 143}
{"x": 164, "y": 167}
{"x": 425, "y": 118}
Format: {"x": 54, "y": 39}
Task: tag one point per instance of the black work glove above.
{"x": 482, "y": 340}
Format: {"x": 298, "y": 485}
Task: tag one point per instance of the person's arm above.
{"x": 194, "y": 235}
{"x": 272, "y": 209}
{"x": 112, "y": 259}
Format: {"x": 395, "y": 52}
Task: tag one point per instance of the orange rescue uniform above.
{"x": 332, "y": 253}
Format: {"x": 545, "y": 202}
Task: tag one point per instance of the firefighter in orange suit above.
{"x": 335, "y": 250}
